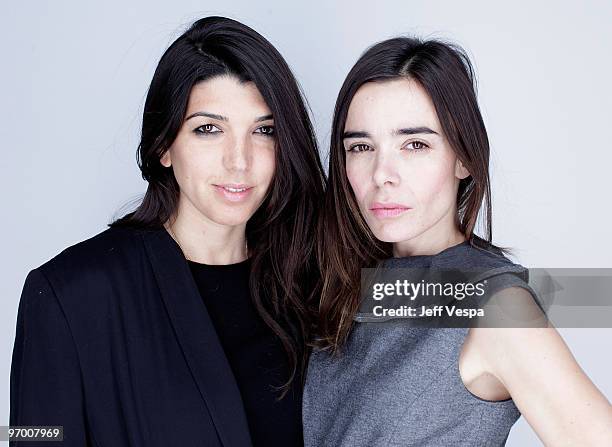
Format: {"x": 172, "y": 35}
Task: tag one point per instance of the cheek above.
{"x": 264, "y": 164}
{"x": 180, "y": 165}
{"x": 194, "y": 165}
{"x": 359, "y": 179}
{"x": 434, "y": 187}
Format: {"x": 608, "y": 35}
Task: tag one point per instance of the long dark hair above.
{"x": 281, "y": 233}
{"x": 346, "y": 244}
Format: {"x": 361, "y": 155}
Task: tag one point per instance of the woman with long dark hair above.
{"x": 185, "y": 322}
{"x": 408, "y": 175}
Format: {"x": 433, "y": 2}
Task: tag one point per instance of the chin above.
{"x": 392, "y": 233}
{"x": 231, "y": 218}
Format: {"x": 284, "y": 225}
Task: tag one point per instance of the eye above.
{"x": 359, "y": 148}
{"x": 207, "y": 129}
{"x": 417, "y": 146}
{"x": 265, "y": 130}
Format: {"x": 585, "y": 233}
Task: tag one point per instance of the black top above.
{"x": 254, "y": 352}
{"x": 113, "y": 343}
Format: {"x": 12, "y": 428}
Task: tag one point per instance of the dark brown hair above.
{"x": 281, "y": 233}
{"x": 346, "y": 244}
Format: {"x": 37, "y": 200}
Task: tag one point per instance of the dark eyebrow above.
{"x": 403, "y": 131}
{"x": 208, "y": 115}
{"x": 355, "y": 134}
{"x": 224, "y": 118}
{"x": 264, "y": 118}
{"x": 414, "y": 130}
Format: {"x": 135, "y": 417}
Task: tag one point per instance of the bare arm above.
{"x": 553, "y": 393}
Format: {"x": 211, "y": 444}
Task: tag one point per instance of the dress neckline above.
{"x": 233, "y": 266}
{"x": 427, "y": 259}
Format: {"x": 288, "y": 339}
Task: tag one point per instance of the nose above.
{"x": 385, "y": 169}
{"x": 236, "y": 156}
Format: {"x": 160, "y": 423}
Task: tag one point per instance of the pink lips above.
{"x": 234, "y": 192}
{"x": 389, "y": 209}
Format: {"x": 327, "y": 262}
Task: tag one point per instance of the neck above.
{"x": 434, "y": 240}
{"x": 205, "y": 241}
{"x": 429, "y": 247}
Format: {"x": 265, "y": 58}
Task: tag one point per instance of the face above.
{"x": 224, "y": 154}
{"x": 402, "y": 170}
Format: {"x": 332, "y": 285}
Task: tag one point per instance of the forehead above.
{"x": 226, "y": 95}
{"x": 391, "y": 104}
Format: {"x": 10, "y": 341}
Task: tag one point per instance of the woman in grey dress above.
{"x": 408, "y": 176}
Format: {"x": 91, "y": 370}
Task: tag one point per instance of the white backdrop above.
{"x": 74, "y": 78}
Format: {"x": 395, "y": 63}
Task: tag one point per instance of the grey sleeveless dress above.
{"x": 396, "y": 385}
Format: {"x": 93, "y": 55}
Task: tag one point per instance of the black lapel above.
{"x": 197, "y": 338}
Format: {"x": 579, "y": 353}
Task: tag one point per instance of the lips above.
{"x": 234, "y": 188}
{"x": 234, "y": 192}
{"x": 388, "y": 209}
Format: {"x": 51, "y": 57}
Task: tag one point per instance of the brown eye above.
{"x": 207, "y": 129}
{"x": 417, "y": 145}
{"x": 265, "y": 130}
{"x": 359, "y": 148}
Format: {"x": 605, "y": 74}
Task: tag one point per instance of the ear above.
{"x": 461, "y": 171}
{"x": 166, "y": 159}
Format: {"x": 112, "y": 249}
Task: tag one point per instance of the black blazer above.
{"x": 114, "y": 343}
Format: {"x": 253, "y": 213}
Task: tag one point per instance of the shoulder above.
{"x": 515, "y": 306}
{"x": 93, "y": 260}
{"x": 107, "y": 241}
{"x": 508, "y": 294}
{"x": 512, "y": 353}
{"x": 87, "y": 284}
{"x": 497, "y": 270}
{"x": 480, "y": 256}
